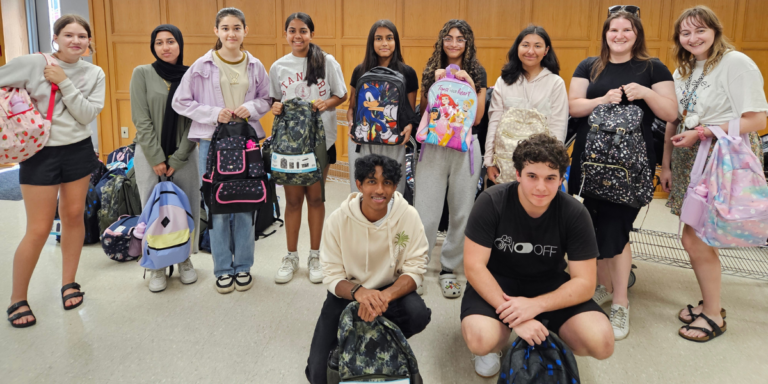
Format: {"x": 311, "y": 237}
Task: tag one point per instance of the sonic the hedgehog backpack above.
{"x": 383, "y": 109}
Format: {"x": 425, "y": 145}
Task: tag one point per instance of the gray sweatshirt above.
{"x": 78, "y": 102}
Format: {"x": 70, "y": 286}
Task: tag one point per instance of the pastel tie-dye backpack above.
{"x": 727, "y": 204}
{"x": 23, "y": 130}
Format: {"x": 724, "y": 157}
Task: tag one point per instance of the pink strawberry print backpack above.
{"x": 23, "y": 131}
{"x": 727, "y": 204}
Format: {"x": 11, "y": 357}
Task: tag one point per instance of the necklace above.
{"x": 167, "y": 84}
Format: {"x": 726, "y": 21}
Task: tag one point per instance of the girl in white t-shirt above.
{"x": 313, "y": 75}
{"x": 715, "y": 84}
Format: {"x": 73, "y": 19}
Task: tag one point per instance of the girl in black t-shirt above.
{"x": 382, "y": 50}
{"x": 623, "y": 71}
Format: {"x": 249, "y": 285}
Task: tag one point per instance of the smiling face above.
{"x": 539, "y": 185}
{"x": 166, "y": 47}
{"x": 696, "y": 38}
{"x": 532, "y": 50}
{"x": 384, "y": 42}
{"x": 454, "y": 44}
{"x": 433, "y": 115}
{"x": 621, "y": 36}
{"x": 445, "y": 100}
{"x": 73, "y": 41}
{"x": 299, "y": 36}
{"x": 231, "y": 32}
{"x": 377, "y": 191}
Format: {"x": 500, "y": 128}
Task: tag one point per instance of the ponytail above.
{"x": 315, "y": 64}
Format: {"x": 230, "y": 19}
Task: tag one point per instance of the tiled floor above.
{"x": 124, "y": 333}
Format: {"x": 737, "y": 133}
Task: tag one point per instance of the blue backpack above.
{"x": 168, "y": 235}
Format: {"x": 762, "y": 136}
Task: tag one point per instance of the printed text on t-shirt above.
{"x": 505, "y": 244}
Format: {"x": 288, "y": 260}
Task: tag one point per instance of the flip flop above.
{"x": 694, "y": 316}
{"x": 709, "y": 335}
{"x": 450, "y": 285}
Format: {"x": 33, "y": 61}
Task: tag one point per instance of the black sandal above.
{"x": 20, "y": 315}
{"x": 709, "y": 335}
{"x": 694, "y": 316}
{"x": 71, "y": 295}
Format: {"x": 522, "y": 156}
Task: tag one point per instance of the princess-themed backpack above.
{"x": 23, "y": 131}
{"x": 382, "y": 109}
{"x": 727, "y": 203}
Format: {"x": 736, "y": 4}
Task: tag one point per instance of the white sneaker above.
{"x": 285, "y": 273}
{"x": 601, "y": 295}
{"x": 487, "y": 366}
{"x": 440, "y": 237}
{"x": 315, "y": 270}
{"x": 420, "y": 289}
{"x": 225, "y": 284}
{"x": 620, "y": 321}
{"x": 187, "y": 272}
{"x": 157, "y": 280}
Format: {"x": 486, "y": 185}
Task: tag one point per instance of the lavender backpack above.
{"x": 727, "y": 203}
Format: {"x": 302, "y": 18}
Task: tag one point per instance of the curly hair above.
{"x": 439, "y": 59}
{"x": 541, "y": 148}
{"x": 365, "y": 167}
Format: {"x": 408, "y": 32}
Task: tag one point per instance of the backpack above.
{"x": 383, "y": 109}
{"x": 370, "y": 352}
{"x": 117, "y": 238}
{"x": 107, "y": 177}
{"x": 269, "y": 213}
{"x": 90, "y": 216}
{"x": 129, "y": 200}
{"x": 550, "y": 362}
{"x": 110, "y": 202}
{"x": 450, "y": 113}
{"x": 516, "y": 124}
{"x": 297, "y": 133}
{"x": 23, "y": 131}
{"x": 615, "y": 160}
{"x": 168, "y": 228}
{"x": 234, "y": 180}
{"x": 98, "y": 173}
{"x": 122, "y": 154}
{"x": 727, "y": 204}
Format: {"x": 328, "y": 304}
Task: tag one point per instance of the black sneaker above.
{"x": 243, "y": 281}
{"x": 225, "y": 283}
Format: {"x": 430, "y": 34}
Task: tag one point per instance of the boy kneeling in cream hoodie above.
{"x": 375, "y": 253}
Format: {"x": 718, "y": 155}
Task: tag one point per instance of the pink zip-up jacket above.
{"x": 199, "y": 96}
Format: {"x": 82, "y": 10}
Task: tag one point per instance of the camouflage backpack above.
{"x": 110, "y": 202}
{"x": 297, "y": 137}
{"x": 371, "y": 352}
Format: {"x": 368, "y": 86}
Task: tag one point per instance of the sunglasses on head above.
{"x": 633, "y": 9}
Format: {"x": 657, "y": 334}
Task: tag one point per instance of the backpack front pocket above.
{"x": 230, "y": 161}
{"x": 255, "y": 163}
{"x": 607, "y": 182}
{"x": 241, "y": 191}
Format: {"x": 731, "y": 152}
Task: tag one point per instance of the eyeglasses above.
{"x": 633, "y": 9}
{"x": 449, "y": 40}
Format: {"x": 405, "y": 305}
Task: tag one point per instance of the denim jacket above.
{"x": 199, "y": 96}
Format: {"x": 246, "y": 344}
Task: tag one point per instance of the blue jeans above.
{"x": 232, "y": 236}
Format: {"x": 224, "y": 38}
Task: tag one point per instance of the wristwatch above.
{"x": 354, "y": 289}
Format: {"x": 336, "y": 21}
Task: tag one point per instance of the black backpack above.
{"x": 615, "y": 160}
{"x": 382, "y": 110}
{"x": 551, "y": 362}
{"x": 268, "y": 213}
{"x": 90, "y": 216}
{"x": 235, "y": 180}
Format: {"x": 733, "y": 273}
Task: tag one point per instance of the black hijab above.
{"x": 171, "y": 73}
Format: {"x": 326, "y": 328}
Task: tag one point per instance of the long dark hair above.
{"x": 224, "y": 12}
{"x": 71, "y": 18}
{"x": 315, "y": 56}
{"x": 372, "y": 58}
{"x": 639, "y": 49}
{"x": 513, "y": 69}
{"x": 439, "y": 59}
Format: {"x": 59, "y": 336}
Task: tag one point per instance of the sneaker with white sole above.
{"x": 601, "y": 295}
{"x": 620, "y": 321}
{"x": 487, "y": 366}
{"x": 285, "y": 273}
{"x": 315, "y": 270}
{"x": 243, "y": 281}
{"x": 420, "y": 289}
{"x": 157, "y": 280}
{"x": 187, "y": 272}
{"x": 225, "y": 283}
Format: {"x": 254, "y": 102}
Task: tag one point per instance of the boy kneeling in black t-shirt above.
{"x": 514, "y": 259}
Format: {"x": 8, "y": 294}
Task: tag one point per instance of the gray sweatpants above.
{"x": 186, "y": 178}
{"x": 440, "y": 169}
{"x": 396, "y": 152}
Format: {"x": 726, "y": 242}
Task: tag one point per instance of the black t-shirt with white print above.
{"x": 527, "y": 248}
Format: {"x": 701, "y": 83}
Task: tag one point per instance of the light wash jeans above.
{"x": 233, "y": 235}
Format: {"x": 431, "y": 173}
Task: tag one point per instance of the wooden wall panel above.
{"x": 760, "y": 56}
{"x": 122, "y": 31}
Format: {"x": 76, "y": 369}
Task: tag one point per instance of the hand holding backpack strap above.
{"x": 448, "y": 72}
{"x": 49, "y": 60}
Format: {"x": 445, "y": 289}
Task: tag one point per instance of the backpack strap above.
{"x": 49, "y": 60}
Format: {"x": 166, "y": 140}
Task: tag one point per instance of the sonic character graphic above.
{"x": 377, "y": 113}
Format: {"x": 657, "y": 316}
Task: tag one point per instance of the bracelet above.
{"x": 700, "y": 130}
{"x": 354, "y": 290}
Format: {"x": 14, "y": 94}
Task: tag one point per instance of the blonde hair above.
{"x": 685, "y": 61}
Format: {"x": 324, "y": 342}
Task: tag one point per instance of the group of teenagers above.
{"x": 512, "y": 239}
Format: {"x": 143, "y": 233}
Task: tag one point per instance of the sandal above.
{"x": 715, "y": 332}
{"x": 19, "y": 315}
{"x": 450, "y": 285}
{"x": 694, "y": 316}
{"x": 71, "y": 295}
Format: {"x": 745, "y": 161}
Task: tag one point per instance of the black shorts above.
{"x": 474, "y": 304}
{"x": 612, "y": 223}
{"x": 59, "y": 165}
{"x": 332, "y": 154}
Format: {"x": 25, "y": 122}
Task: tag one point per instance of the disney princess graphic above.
{"x": 458, "y": 125}
{"x": 447, "y": 106}
{"x": 432, "y": 138}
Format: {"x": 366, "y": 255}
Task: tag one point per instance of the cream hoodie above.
{"x": 545, "y": 93}
{"x": 354, "y": 249}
